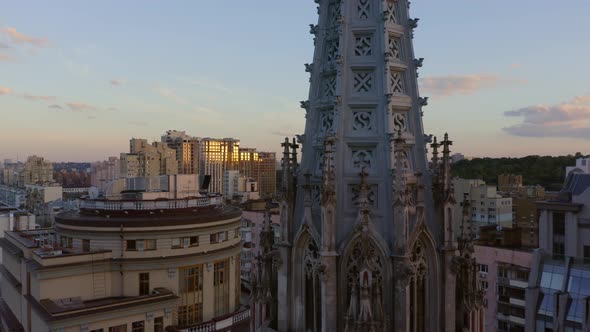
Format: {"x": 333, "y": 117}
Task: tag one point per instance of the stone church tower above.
{"x": 367, "y": 240}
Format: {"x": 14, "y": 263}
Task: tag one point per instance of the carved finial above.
{"x": 363, "y": 199}
{"x": 308, "y": 67}
{"x": 418, "y": 62}
{"x": 305, "y": 104}
{"x": 413, "y": 23}
{"x": 313, "y": 29}
{"x": 423, "y": 101}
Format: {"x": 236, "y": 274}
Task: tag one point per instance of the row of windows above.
{"x": 139, "y": 326}
{"x": 179, "y": 242}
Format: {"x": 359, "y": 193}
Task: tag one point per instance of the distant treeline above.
{"x": 546, "y": 171}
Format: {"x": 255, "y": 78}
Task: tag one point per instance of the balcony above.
{"x": 238, "y": 321}
{"x": 139, "y": 205}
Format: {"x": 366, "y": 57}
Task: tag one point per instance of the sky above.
{"x": 79, "y": 78}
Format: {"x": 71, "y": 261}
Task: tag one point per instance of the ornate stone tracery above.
{"x": 365, "y": 270}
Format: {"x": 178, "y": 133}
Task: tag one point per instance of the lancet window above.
{"x": 418, "y": 289}
{"x": 312, "y": 286}
{"x": 364, "y": 283}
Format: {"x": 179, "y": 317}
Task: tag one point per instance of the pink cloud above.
{"x": 6, "y": 57}
{"x": 568, "y": 119}
{"x": 457, "y": 84}
{"x": 5, "y": 91}
{"x": 116, "y": 82}
{"x": 21, "y": 38}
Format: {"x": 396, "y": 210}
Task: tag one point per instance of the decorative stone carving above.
{"x": 423, "y": 101}
{"x": 329, "y": 86}
{"x": 396, "y": 82}
{"x": 332, "y": 52}
{"x": 335, "y": 17}
{"x": 313, "y": 29}
{"x": 371, "y": 195}
{"x": 390, "y": 14}
{"x": 308, "y": 67}
{"x": 363, "y": 9}
{"x": 327, "y": 121}
{"x": 363, "y": 45}
{"x": 362, "y": 120}
{"x": 393, "y": 47}
{"x": 305, "y": 104}
{"x": 362, "y": 158}
{"x": 363, "y": 81}
{"x": 400, "y": 123}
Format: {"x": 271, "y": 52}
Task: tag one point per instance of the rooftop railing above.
{"x": 168, "y": 204}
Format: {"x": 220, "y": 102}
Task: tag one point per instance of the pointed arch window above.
{"x": 418, "y": 289}
{"x": 312, "y": 285}
{"x": 364, "y": 283}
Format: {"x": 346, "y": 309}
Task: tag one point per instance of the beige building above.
{"x": 145, "y": 160}
{"x": 36, "y": 170}
{"x": 127, "y": 265}
{"x": 509, "y": 182}
{"x": 103, "y": 172}
{"x": 187, "y": 150}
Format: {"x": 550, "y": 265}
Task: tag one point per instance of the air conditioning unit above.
{"x": 483, "y": 275}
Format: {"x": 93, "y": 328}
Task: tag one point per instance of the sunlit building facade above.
{"x": 187, "y": 150}
{"x": 215, "y": 157}
{"x": 132, "y": 264}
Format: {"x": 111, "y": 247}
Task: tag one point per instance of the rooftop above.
{"x": 55, "y": 309}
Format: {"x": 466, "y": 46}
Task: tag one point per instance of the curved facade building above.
{"x": 128, "y": 265}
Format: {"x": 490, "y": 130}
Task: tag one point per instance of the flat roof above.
{"x": 149, "y": 218}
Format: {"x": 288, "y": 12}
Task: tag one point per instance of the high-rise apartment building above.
{"x": 215, "y": 157}
{"x": 145, "y": 262}
{"x": 249, "y": 164}
{"x": 558, "y": 296}
{"x": 267, "y": 174}
{"x": 503, "y": 273}
{"x": 103, "y": 172}
{"x": 260, "y": 166}
{"x": 36, "y": 170}
{"x": 187, "y": 150}
{"x": 145, "y": 160}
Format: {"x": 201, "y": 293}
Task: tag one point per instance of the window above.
{"x": 194, "y": 241}
{"x": 66, "y": 242}
{"x": 484, "y": 285}
{"x": 558, "y": 233}
{"x": 222, "y": 236}
{"x": 221, "y": 285}
{"x": 144, "y": 283}
{"x": 213, "y": 238}
{"x": 175, "y": 243}
{"x": 85, "y": 245}
{"x": 191, "y": 295}
{"x": 483, "y": 268}
{"x": 141, "y": 245}
{"x": 237, "y": 233}
{"x": 502, "y": 272}
{"x": 587, "y": 252}
{"x": 118, "y": 328}
{"x": 522, "y": 275}
{"x": 97, "y": 330}
{"x": 138, "y": 326}
{"x": 159, "y": 324}
{"x": 131, "y": 245}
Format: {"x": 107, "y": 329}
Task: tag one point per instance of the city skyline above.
{"x": 78, "y": 89}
